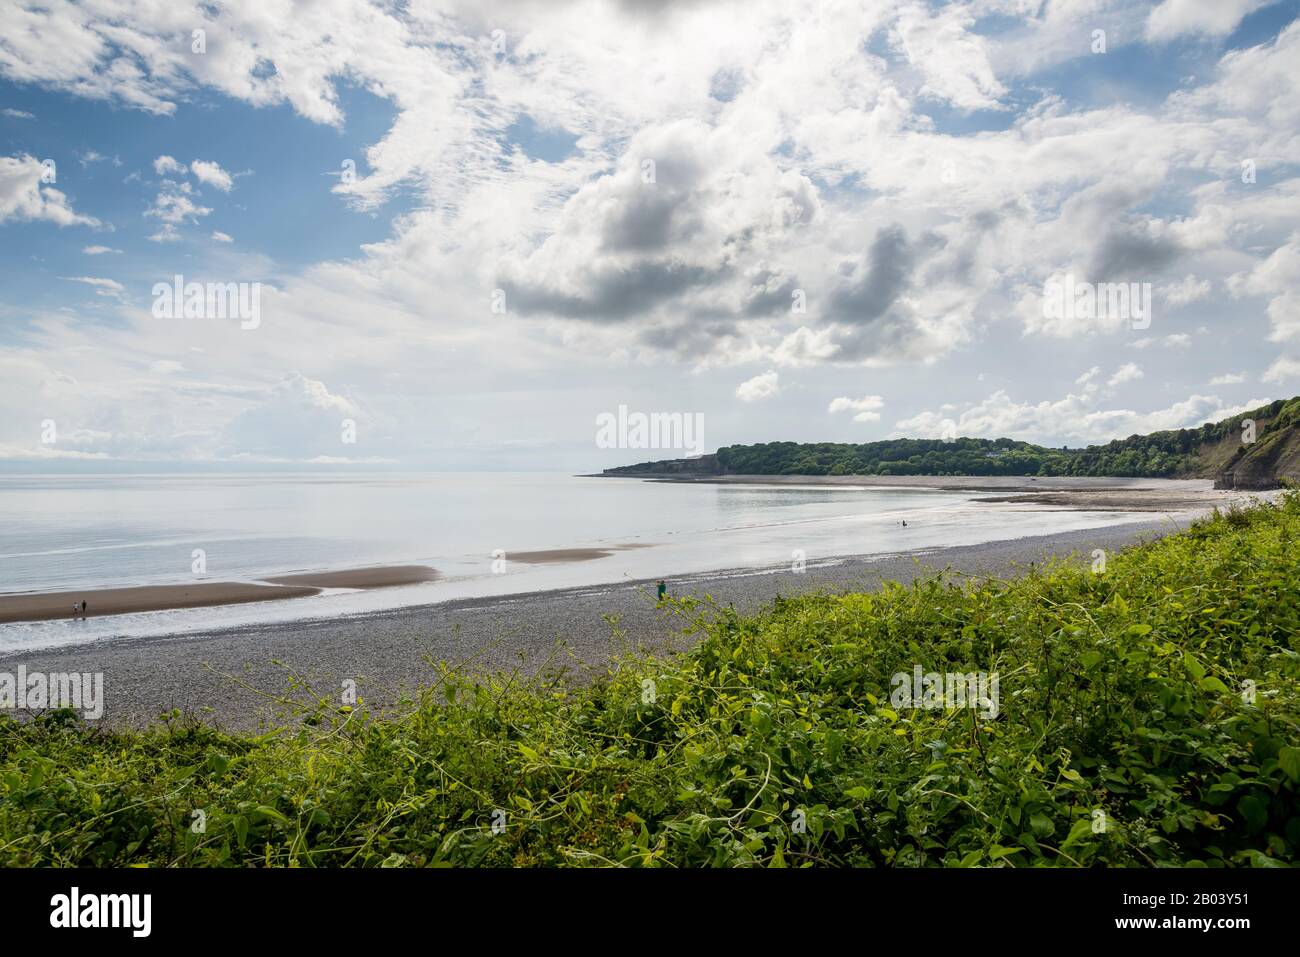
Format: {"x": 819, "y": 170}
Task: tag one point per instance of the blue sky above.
{"x": 919, "y": 173}
{"x": 105, "y": 154}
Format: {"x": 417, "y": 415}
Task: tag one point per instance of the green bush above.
{"x": 1158, "y": 698}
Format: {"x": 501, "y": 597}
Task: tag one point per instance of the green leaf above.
{"x": 1041, "y": 825}
{"x": 272, "y": 813}
{"x": 1289, "y": 759}
{"x": 1081, "y": 830}
{"x": 1254, "y": 811}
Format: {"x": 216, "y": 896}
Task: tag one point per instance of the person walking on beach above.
{"x": 83, "y": 607}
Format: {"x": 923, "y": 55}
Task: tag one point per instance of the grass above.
{"x": 1148, "y": 716}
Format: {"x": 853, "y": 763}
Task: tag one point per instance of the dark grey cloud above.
{"x": 1127, "y": 253}
{"x": 875, "y": 285}
{"x": 646, "y": 217}
{"x": 769, "y": 293}
{"x": 691, "y": 339}
{"x": 612, "y": 293}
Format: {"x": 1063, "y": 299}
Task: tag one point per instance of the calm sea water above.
{"x": 73, "y": 532}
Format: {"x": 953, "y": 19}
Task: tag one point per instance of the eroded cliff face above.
{"x": 1264, "y": 467}
{"x": 1272, "y": 458}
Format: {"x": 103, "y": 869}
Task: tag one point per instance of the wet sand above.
{"x": 44, "y": 606}
{"x": 382, "y": 576}
{"x": 1131, "y": 500}
{"x": 552, "y": 556}
{"x": 117, "y": 601}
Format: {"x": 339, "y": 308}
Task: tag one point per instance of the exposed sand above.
{"x": 1132, "y": 500}
{"x": 380, "y": 577}
{"x": 240, "y": 677}
{"x": 553, "y": 556}
{"x": 118, "y": 601}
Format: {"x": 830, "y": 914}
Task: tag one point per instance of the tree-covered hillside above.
{"x": 1208, "y": 451}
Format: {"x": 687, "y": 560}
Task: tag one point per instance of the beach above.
{"x": 244, "y": 678}
{"x": 248, "y": 671}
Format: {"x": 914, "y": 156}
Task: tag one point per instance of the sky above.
{"x": 463, "y": 233}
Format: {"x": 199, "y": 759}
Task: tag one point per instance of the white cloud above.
{"x": 1088, "y": 376}
{"x": 1178, "y": 340}
{"x": 1283, "y": 369}
{"x": 14, "y": 114}
{"x": 221, "y": 237}
{"x": 1075, "y": 417}
{"x": 167, "y": 165}
{"x": 1188, "y": 290}
{"x": 1278, "y": 278}
{"x": 762, "y": 386}
{"x": 95, "y": 281}
{"x": 174, "y": 206}
{"x": 298, "y": 419}
{"x": 1129, "y": 372}
{"x": 212, "y": 174}
{"x": 1228, "y": 378}
{"x": 1175, "y": 18}
{"x": 952, "y": 60}
{"x": 99, "y": 250}
{"x": 24, "y": 197}
{"x": 103, "y": 287}
{"x": 865, "y": 409}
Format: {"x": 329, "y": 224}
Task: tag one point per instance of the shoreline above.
{"x": 960, "y": 483}
{"x": 254, "y": 676}
{"x": 1158, "y": 496}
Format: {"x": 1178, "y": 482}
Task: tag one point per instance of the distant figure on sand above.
{"x": 83, "y": 607}
{"x": 905, "y": 523}
{"x": 663, "y": 590}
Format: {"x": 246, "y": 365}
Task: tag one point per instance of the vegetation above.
{"x": 1160, "y": 697}
{"x": 1160, "y": 454}
{"x": 1206, "y": 451}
